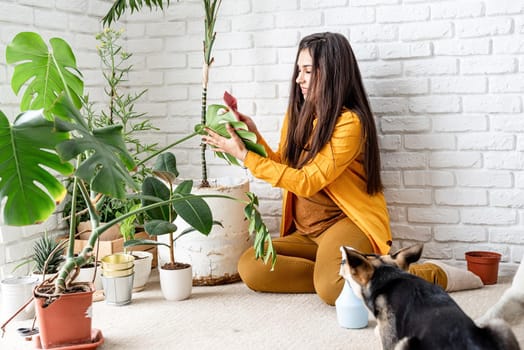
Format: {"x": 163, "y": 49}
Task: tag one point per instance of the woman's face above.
{"x": 305, "y": 66}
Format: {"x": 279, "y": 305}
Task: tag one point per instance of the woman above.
{"x": 328, "y": 165}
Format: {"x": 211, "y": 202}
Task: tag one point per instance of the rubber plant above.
{"x": 215, "y": 117}
{"x": 160, "y": 219}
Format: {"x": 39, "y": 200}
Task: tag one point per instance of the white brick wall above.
{"x": 445, "y": 79}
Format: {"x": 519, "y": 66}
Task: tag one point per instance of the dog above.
{"x": 412, "y": 313}
{"x": 510, "y": 307}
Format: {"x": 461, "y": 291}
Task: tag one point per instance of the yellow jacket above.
{"x": 338, "y": 169}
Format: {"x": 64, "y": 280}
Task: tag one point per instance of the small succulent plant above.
{"x": 47, "y": 249}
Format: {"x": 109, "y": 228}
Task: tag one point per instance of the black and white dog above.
{"x": 412, "y": 313}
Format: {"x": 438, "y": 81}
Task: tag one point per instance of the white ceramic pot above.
{"x": 214, "y": 258}
{"x": 143, "y": 263}
{"x": 86, "y": 275}
{"x": 16, "y": 291}
{"x": 176, "y": 284}
{"x": 40, "y": 277}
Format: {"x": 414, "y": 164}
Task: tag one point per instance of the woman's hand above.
{"x": 233, "y": 145}
{"x": 231, "y": 103}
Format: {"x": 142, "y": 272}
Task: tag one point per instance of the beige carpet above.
{"x": 234, "y": 317}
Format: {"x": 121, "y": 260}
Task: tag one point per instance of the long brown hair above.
{"x": 335, "y": 83}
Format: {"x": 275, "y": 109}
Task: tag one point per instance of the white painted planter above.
{"x": 214, "y": 258}
{"x": 176, "y": 284}
{"x": 16, "y": 291}
{"x": 143, "y": 262}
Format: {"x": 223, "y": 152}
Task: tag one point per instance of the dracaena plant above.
{"x": 209, "y": 117}
{"x": 214, "y": 117}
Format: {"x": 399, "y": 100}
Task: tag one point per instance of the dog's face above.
{"x": 358, "y": 268}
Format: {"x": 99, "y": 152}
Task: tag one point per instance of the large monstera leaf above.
{"x": 45, "y": 71}
{"x": 107, "y": 164}
{"x": 27, "y": 151}
{"x": 217, "y": 117}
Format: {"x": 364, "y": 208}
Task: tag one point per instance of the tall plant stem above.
{"x": 211, "y": 11}
{"x": 203, "y": 162}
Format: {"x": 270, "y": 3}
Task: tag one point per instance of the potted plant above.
{"x": 214, "y": 258}
{"x": 175, "y": 277}
{"x": 48, "y": 255}
{"x": 45, "y": 261}
{"x": 49, "y": 138}
{"x": 143, "y": 259}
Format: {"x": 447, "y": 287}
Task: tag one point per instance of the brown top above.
{"x": 313, "y": 215}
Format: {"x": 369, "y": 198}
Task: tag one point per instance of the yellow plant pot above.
{"x": 117, "y": 261}
{"x": 118, "y": 273}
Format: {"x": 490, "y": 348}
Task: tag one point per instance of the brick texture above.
{"x": 445, "y": 80}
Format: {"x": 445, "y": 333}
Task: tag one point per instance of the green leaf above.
{"x": 152, "y": 186}
{"x": 165, "y": 167}
{"x": 119, "y": 7}
{"x": 184, "y": 187}
{"x": 107, "y": 166}
{"x": 159, "y": 227}
{"x": 195, "y": 212}
{"x": 46, "y": 72}
{"x": 127, "y": 225}
{"x": 259, "y": 229}
{"x": 28, "y": 168}
{"x": 217, "y": 117}
{"x": 135, "y": 242}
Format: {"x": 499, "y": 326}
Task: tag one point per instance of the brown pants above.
{"x": 305, "y": 264}
{"x": 308, "y": 264}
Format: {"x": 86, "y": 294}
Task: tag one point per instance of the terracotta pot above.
{"x": 484, "y": 264}
{"x": 67, "y": 320}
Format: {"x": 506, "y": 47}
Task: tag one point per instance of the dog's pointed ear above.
{"x": 356, "y": 266}
{"x": 406, "y": 256}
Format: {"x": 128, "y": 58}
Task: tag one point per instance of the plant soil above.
{"x": 175, "y": 266}
{"x": 213, "y": 281}
{"x": 47, "y": 290}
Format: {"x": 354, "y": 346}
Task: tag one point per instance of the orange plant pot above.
{"x": 66, "y": 321}
{"x": 484, "y": 264}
